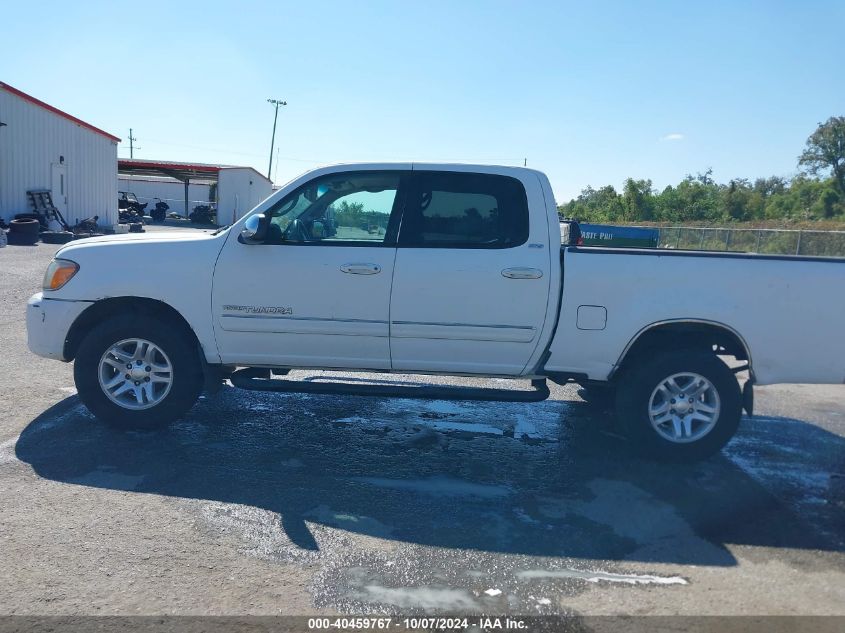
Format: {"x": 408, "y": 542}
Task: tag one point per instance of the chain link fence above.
{"x": 772, "y": 241}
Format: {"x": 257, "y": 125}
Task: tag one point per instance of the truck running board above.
{"x": 255, "y": 379}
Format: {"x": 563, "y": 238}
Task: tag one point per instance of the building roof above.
{"x": 56, "y": 111}
{"x": 174, "y": 169}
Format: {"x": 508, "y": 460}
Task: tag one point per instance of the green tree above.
{"x": 736, "y": 199}
{"x": 638, "y": 200}
{"x": 770, "y": 186}
{"x": 826, "y": 150}
{"x": 698, "y": 198}
{"x": 827, "y": 206}
{"x": 596, "y": 205}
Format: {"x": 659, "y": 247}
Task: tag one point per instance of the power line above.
{"x": 323, "y": 161}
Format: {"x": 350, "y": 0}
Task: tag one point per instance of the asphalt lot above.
{"x": 262, "y": 503}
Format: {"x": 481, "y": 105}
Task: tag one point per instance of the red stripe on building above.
{"x": 62, "y": 114}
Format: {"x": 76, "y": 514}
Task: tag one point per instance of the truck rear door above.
{"x": 472, "y": 274}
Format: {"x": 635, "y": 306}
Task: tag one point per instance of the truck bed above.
{"x": 787, "y": 310}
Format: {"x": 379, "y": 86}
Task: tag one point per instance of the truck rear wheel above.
{"x": 137, "y": 372}
{"x": 683, "y": 405}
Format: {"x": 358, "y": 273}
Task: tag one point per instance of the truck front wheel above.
{"x": 683, "y": 405}
{"x": 137, "y": 372}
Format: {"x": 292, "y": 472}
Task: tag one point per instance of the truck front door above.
{"x": 316, "y": 292}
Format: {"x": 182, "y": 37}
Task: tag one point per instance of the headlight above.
{"x": 59, "y": 272}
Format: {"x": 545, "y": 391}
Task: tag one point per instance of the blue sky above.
{"x": 589, "y": 92}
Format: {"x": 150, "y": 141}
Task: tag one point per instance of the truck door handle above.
{"x": 361, "y": 269}
{"x": 522, "y": 273}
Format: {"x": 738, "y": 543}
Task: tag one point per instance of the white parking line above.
{"x": 601, "y": 576}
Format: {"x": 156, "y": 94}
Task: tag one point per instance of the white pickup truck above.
{"x": 436, "y": 269}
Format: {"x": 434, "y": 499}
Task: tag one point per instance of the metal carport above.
{"x": 184, "y": 172}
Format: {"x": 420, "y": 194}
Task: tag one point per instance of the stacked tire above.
{"x": 24, "y": 231}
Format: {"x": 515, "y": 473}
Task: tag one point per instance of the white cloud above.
{"x": 675, "y": 136}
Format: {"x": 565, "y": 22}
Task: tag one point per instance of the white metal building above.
{"x": 239, "y": 190}
{"x": 42, "y": 147}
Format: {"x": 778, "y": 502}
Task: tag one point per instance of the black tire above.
{"x": 56, "y": 237}
{"x": 634, "y": 392}
{"x": 31, "y": 216}
{"x": 22, "y": 239}
{"x": 176, "y": 344}
{"x": 25, "y": 225}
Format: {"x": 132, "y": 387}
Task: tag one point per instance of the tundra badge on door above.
{"x": 282, "y": 310}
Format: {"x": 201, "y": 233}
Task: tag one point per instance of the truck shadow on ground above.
{"x": 537, "y": 480}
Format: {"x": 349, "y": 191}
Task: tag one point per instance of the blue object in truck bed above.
{"x": 630, "y": 236}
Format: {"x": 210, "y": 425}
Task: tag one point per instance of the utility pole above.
{"x": 277, "y": 103}
{"x": 132, "y": 139}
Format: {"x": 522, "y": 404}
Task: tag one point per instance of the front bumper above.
{"x": 48, "y": 322}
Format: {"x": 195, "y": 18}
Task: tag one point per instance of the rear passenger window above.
{"x": 464, "y": 210}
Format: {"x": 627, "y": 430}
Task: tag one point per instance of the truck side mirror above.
{"x": 255, "y": 229}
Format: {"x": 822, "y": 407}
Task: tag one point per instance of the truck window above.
{"x": 352, "y": 208}
{"x": 464, "y": 210}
